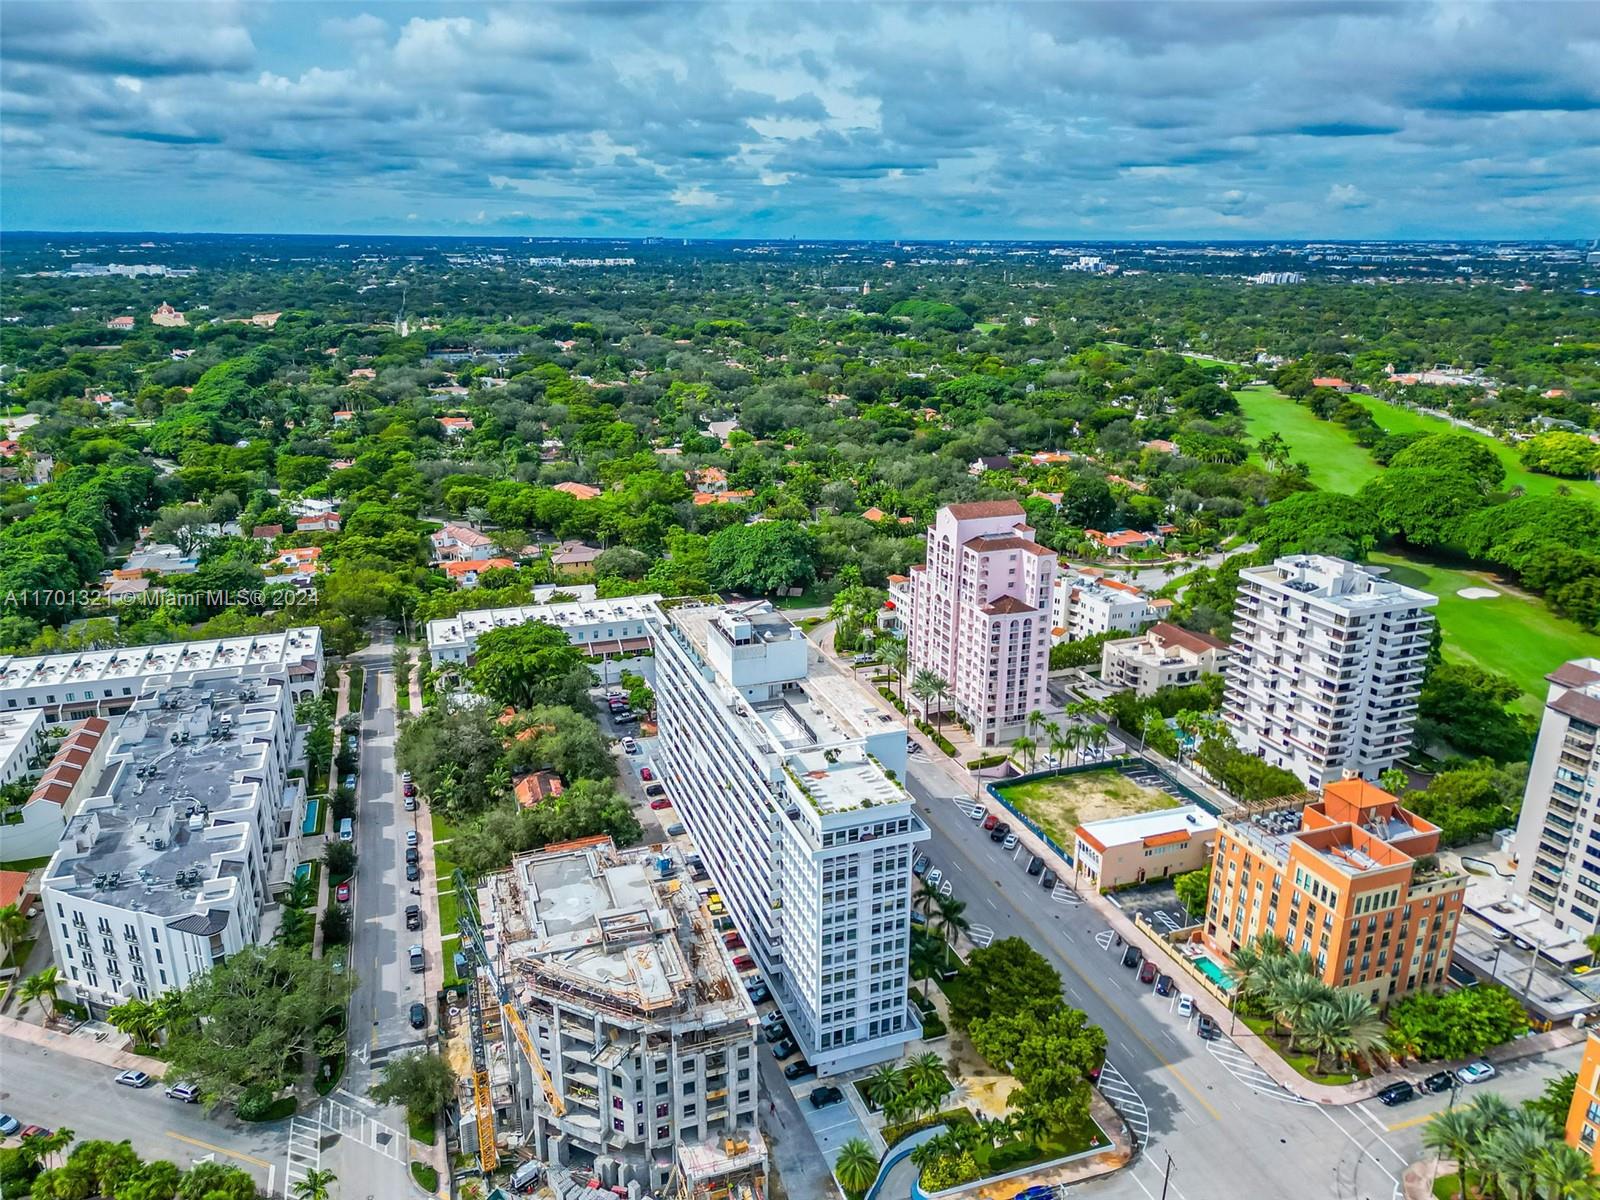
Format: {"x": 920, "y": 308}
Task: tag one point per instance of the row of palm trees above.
{"x": 1022, "y": 1125}
{"x": 946, "y": 918}
{"x": 1081, "y": 739}
{"x": 1510, "y": 1153}
{"x": 905, "y": 1093}
{"x": 1332, "y": 1023}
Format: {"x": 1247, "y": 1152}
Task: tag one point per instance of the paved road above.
{"x": 56, "y": 1090}
{"x": 1230, "y": 1130}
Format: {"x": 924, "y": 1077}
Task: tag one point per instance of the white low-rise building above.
{"x": 787, "y": 775}
{"x": 1165, "y": 655}
{"x": 163, "y": 870}
{"x": 598, "y": 627}
{"x": 93, "y": 683}
{"x": 21, "y": 736}
{"x": 1086, "y": 603}
{"x": 35, "y": 829}
{"x": 1133, "y": 849}
{"x": 636, "y": 1054}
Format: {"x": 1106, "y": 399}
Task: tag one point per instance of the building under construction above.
{"x": 635, "y": 1046}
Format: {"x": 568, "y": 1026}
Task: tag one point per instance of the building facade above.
{"x": 786, "y": 773}
{"x": 597, "y": 627}
{"x": 631, "y": 1009}
{"x": 1326, "y": 664}
{"x": 1142, "y": 846}
{"x": 97, "y": 683}
{"x": 1165, "y": 655}
{"x": 21, "y": 737}
{"x": 1351, "y": 879}
{"x": 981, "y": 616}
{"x": 163, "y": 870}
{"x": 1558, "y": 833}
{"x": 1583, "y": 1117}
{"x": 36, "y": 827}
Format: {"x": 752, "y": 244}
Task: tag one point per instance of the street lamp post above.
{"x": 1166, "y": 1178}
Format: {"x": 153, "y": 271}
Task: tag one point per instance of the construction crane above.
{"x": 470, "y": 923}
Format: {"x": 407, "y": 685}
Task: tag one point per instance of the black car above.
{"x": 655, "y": 790}
{"x": 1397, "y": 1093}
{"x": 777, "y": 1031}
{"x": 783, "y": 1049}
{"x": 413, "y": 916}
{"x": 1205, "y": 1027}
{"x": 758, "y": 992}
{"x": 1131, "y": 956}
{"x": 798, "y": 1070}
{"x": 1035, "y": 865}
{"x": 419, "y": 1016}
{"x": 1000, "y": 832}
{"x": 1439, "y": 1081}
{"x": 825, "y": 1095}
{"x": 1163, "y": 985}
{"x": 1048, "y": 879}
{"x": 920, "y": 867}
{"x": 413, "y": 872}
{"x": 412, "y": 855}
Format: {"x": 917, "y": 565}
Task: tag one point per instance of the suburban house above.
{"x": 1331, "y": 381}
{"x": 168, "y": 317}
{"x": 458, "y": 543}
{"x": 578, "y": 491}
{"x": 1121, "y": 541}
{"x": 1165, "y": 655}
{"x": 573, "y": 557}
{"x": 456, "y": 426}
{"x": 465, "y": 574}
{"x": 320, "y": 523}
{"x": 120, "y": 324}
{"x": 876, "y": 515}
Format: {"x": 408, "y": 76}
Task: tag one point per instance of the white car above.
{"x": 976, "y": 812}
{"x": 629, "y": 746}
{"x": 1185, "y": 1005}
{"x": 134, "y": 1079}
{"x": 411, "y": 837}
{"x": 1475, "y": 1072}
{"x": 934, "y": 876}
{"x": 1010, "y": 843}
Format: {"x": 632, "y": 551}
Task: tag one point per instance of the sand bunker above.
{"x": 1477, "y": 593}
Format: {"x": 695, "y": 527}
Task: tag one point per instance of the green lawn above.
{"x": 1336, "y": 462}
{"x": 989, "y": 326}
{"x": 1513, "y": 634}
{"x": 1058, "y": 804}
{"x": 25, "y": 864}
{"x": 1306, "y": 1064}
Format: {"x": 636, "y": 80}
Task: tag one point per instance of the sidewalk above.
{"x": 80, "y": 1047}
{"x": 1291, "y": 1080}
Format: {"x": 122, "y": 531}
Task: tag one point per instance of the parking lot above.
{"x": 1158, "y": 904}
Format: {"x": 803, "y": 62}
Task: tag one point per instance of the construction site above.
{"x": 608, "y": 1044}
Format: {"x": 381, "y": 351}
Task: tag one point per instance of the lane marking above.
{"x": 1363, "y": 1152}
{"x": 239, "y": 1154}
{"x": 1413, "y": 1121}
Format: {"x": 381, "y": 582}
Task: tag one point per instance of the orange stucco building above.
{"x": 1350, "y": 882}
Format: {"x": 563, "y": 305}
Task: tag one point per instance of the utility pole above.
{"x": 1166, "y": 1178}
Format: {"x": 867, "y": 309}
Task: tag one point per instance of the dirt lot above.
{"x": 1063, "y": 802}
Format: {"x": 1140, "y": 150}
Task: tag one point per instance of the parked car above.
{"x": 934, "y": 876}
{"x": 1010, "y": 843}
{"x": 188, "y": 1093}
{"x": 743, "y": 962}
{"x": 733, "y": 941}
{"x": 1131, "y": 956}
{"x": 917, "y": 918}
{"x": 1205, "y": 1027}
{"x": 825, "y": 1095}
{"x": 1475, "y": 1072}
{"x": 1397, "y": 1093}
{"x": 342, "y": 893}
{"x": 675, "y": 830}
{"x": 759, "y": 993}
{"x": 1048, "y": 879}
{"x": 1185, "y": 1005}
{"x": 629, "y": 746}
{"x": 799, "y": 1070}
{"x": 411, "y": 803}
{"x": 8, "y": 1124}
{"x": 33, "y": 1131}
{"x": 1439, "y": 1081}
{"x": 660, "y": 802}
{"x": 1039, "y": 1191}
{"x": 775, "y": 1030}
{"x": 920, "y": 867}
{"x": 412, "y": 854}
{"x": 1163, "y": 985}
{"x": 976, "y": 813}
{"x": 419, "y": 960}
{"x": 134, "y": 1079}
{"x": 413, "y": 916}
{"x": 646, "y": 774}
{"x": 1147, "y": 971}
{"x": 405, "y": 776}
{"x": 625, "y": 718}
{"x": 411, "y": 837}
{"x": 655, "y": 789}
{"x": 408, "y": 790}
{"x": 990, "y": 821}
{"x": 783, "y": 1049}
{"x": 419, "y": 1016}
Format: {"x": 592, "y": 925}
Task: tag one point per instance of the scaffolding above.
{"x": 482, "y": 1101}
{"x": 733, "y": 1169}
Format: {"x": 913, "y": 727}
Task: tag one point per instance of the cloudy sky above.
{"x": 1317, "y": 118}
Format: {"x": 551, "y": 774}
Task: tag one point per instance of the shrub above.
{"x": 427, "y": 1177}
{"x": 259, "y": 1104}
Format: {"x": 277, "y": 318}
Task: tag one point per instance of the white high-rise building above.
{"x": 165, "y": 869}
{"x": 1326, "y": 663}
{"x": 980, "y": 616}
{"x": 1558, "y": 862}
{"x": 787, "y": 773}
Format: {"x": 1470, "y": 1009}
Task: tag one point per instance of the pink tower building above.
{"x": 980, "y": 616}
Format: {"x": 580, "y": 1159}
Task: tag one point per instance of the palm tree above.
{"x": 927, "y": 1070}
{"x": 1095, "y": 737}
{"x": 1060, "y": 743}
{"x": 42, "y": 986}
{"x": 926, "y": 899}
{"x": 1246, "y": 966}
{"x": 1564, "y": 1172}
{"x": 314, "y": 1185}
{"x": 1364, "y": 1028}
{"x": 934, "y": 1148}
{"x": 1592, "y": 944}
{"x": 1031, "y": 1124}
{"x": 857, "y": 1166}
{"x": 893, "y": 653}
{"x": 1035, "y": 721}
{"x": 1322, "y": 1031}
{"x": 1454, "y": 1133}
{"x": 1026, "y": 747}
{"x": 885, "y": 1084}
{"x": 1292, "y": 998}
{"x": 41, "y": 1149}
{"x": 1511, "y": 1151}
{"x": 926, "y": 686}
{"x": 949, "y": 922}
{"x": 137, "y": 1018}
{"x": 13, "y": 928}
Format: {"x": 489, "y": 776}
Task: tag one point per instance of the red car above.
{"x": 991, "y": 821}
{"x": 660, "y": 802}
{"x": 33, "y": 1131}
{"x": 646, "y": 774}
{"x": 410, "y": 789}
{"x": 342, "y": 893}
{"x": 744, "y": 963}
{"x": 732, "y": 941}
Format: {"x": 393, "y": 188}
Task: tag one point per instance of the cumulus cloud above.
{"x": 1250, "y": 118}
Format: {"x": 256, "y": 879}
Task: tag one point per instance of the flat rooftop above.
{"x": 179, "y": 818}
{"x": 609, "y": 927}
{"x": 1340, "y": 584}
{"x": 1135, "y": 828}
{"x": 287, "y": 649}
{"x": 16, "y": 728}
{"x": 469, "y": 626}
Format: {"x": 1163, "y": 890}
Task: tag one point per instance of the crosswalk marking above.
{"x": 980, "y": 935}
{"x": 1125, "y": 1098}
{"x": 370, "y": 1132}
{"x": 1103, "y": 938}
{"x": 1062, "y": 894}
{"x": 305, "y": 1151}
{"x": 1244, "y": 1068}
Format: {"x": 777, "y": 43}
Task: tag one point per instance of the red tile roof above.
{"x": 985, "y": 508}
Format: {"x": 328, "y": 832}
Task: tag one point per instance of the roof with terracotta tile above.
{"x": 980, "y": 509}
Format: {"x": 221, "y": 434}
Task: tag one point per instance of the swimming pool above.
{"x": 303, "y": 871}
{"x": 309, "y": 825}
{"x": 1214, "y": 973}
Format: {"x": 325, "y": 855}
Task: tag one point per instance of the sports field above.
{"x": 1340, "y": 465}
{"x": 1061, "y": 803}
{"x": 1510, "y": 632}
